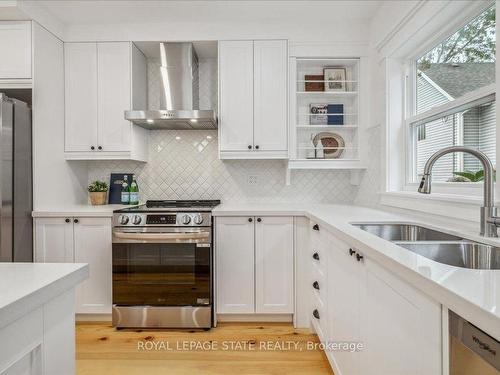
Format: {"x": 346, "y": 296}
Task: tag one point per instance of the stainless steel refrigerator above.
{"x": 16, "y": 224}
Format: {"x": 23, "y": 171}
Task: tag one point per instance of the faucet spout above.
{"x": 488, "y": 211}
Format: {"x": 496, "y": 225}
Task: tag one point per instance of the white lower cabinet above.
{"x": 92, "y": 239}
{"x": 79, "y": 240}
{"x": 398, "y": 326}
{"x": 254, "y": 265}
{"x": 235, "y": 264}
{"x": 274, "y": 265}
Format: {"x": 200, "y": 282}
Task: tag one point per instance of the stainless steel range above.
{"x": 162, "y": 265}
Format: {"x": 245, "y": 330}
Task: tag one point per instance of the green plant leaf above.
{"x": 467, "y": 174}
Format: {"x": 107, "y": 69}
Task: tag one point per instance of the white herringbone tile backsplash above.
{"x": 185, "y": 165}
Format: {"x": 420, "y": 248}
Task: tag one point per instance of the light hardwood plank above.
{"x": 103, "y": 350}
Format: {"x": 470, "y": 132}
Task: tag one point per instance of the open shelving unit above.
{"x": 338, "y": 100}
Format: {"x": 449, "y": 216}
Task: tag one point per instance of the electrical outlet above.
{"x": 252, "y": 179}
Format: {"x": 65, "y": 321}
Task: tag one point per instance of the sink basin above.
{"x": 405, "y": 232}
{"x": 459, "y": 254}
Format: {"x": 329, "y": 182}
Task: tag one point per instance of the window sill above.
{"x": 462, "y": 207}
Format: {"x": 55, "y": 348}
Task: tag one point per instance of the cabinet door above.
{"x": 400, "y": 320}
{"x": 270, "y": 95}
{"x": 80, "y": 81}
{"x": 344, "y": 302}
{"x": 274, "y": 265}
{"x": 114, "y": 95}
{"x": 235, "y": 259}
{"x": 53, "y": 240}
{"x": 15, "y": 49}
{"x": 236, "y": 95}
{"x": 93, "y": 246}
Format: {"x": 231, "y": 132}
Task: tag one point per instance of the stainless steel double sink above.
{"x": 437, "y": 246}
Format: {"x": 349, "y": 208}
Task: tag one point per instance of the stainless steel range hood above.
{"x": 179, "y": 94}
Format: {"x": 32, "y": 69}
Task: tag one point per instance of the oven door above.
{"x": 162, "y": 267}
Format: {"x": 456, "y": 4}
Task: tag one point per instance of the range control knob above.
{"x": 123, "y": 219}
{"x": 185, "y": 219}
{"x": 198, "y": 219}
{"x": 136, "y": 219}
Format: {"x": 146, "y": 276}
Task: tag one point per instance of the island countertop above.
{"x": 26, "y": 286}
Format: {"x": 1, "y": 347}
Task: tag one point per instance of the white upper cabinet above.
{"x": 274, "y": 265}
{"x": 235, "y": 264}
{"x": 270, "y": 95}
{"x": 99, "y": 79}
{"x": 253, "y": 99}
{"x": 236, "y": 95}
{"x": 15, "y": 49}
{"x": 114, "y": 92}
{"x": 80, "y": 60}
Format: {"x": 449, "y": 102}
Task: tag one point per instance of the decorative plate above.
{"x": 333, "y": 144}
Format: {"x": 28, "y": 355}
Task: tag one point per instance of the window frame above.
{"x": 411, "y": 118}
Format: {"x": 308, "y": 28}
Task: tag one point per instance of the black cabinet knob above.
{"x": 257, "y": 147}
{"x": 315, "y": 227}
{"x": 75, "y": 221}
{"x": 249, "y": 147}
{"x": 351, "y": 252}
{"x": 250, "y": 219}
{"x": 316, "y": 285}
{"x": 316, "y": 314}
{"x": 92, "y": 147}
{"x": 316, "y": 256}
{"x": 259, "y": 219}
{"x": 67, "y": 220}
{"x": 359, "y": 257}
{"x": 99, "y": 148}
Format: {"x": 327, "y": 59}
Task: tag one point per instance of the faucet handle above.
{"x": 425, "y": 184}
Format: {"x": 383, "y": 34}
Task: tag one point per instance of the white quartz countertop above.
{"x": 473, "y": 294}
{"x": 26, "y": 286}
{"x": 80, "y": 210}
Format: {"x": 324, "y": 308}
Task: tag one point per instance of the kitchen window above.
{"x": 451, "y": 101}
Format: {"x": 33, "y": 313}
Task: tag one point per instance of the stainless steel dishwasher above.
{"x": 472, "y": 351}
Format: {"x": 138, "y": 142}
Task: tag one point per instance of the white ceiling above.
{"x": 78, "y": 12}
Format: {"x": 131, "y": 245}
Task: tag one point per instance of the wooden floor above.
{"x": 102, "y": 350}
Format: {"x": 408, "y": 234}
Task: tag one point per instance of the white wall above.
{"x": 218, "y": 20}
{"x": 56, "y": 182}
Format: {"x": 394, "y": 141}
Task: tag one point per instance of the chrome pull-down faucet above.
{"x": 489, "y": 218}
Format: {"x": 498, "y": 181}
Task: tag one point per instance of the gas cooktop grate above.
{"x": 181, "y": 203}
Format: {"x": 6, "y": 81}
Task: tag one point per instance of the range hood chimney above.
{"x": 179, "y": 94}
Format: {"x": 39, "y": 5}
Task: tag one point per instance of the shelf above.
{"x": 346, "y": 164}
{"x": 307, "y": 127}
{"x": 328, "y": 93}
{"x": 315, "y": 80}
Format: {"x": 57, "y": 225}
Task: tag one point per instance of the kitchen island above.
{"x": 37, "y": 317}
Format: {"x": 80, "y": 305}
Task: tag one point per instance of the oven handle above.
{"x": 141, "y": 236}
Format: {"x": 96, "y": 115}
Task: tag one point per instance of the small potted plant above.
{"x": 97, "y": 192}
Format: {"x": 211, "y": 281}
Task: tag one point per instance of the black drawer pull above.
{"x": 75, "y": 221}
{"x": 250, "y": 219}
{"x": 259, "y": 220}
{"x": 67, "y": 220}
{"x": 316, "y": 314}
{"x": 316, "y": 285}
{"x": 359, "y": 257}
{"x": 316, "y": 256}
{"x": 316, "y": 227}
{"x": 351, "y": 252}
